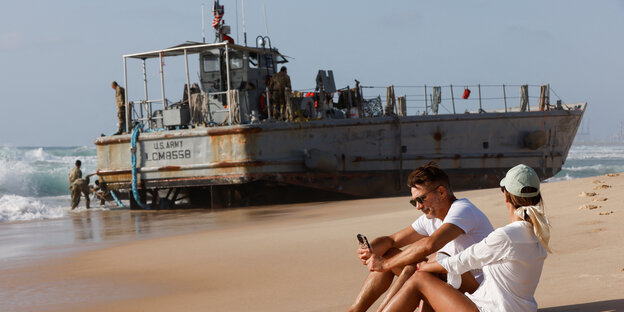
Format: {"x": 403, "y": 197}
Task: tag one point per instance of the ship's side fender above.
{"x": 318, "y": 160}
{"x": 535, "y": 139}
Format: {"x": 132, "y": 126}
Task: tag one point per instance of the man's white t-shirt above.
{"x": 466, "y": 216}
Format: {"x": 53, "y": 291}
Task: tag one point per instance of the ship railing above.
{"x": 143, "y": 113}
{"x": 204, "y": 109}
{"x": 232, "y": 107}
{"x": 461, "y": 99}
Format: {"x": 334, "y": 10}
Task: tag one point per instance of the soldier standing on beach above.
{"x": 120, "y": 98}
{"x": 78, "y": 185}
{"x": 279, "y": 83}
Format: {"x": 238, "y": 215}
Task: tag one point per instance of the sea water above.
{"x": 34, "y": 180}
{"x": 586, "y": 160}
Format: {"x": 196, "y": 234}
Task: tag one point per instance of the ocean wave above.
{"x": 41, "y": 171}
{"x": 596, "y": 152}
{"x": 559, "y": 178}
{"x": 19, "y": 208}
{"x": 597, "y": 168}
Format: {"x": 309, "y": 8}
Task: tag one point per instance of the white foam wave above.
{"x": 18, "y": 208}
{"x": 40, "y": 171}
{"x": 14, "y": 176}
{"x": 557, "y": 178}
{"x": 610, "y": 152}
{"x": 596, "y": 156}
{"x": 598, "y": 167}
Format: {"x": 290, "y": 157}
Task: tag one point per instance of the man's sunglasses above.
{"x": 421, "y": 199}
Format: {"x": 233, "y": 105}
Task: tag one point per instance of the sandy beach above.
{"x": 302, "y": 258}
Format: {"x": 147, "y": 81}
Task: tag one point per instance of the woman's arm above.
{"x": 432, "y": 267}
{"x": 491, "y": 249}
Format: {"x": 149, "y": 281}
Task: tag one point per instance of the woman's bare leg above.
{"x": 438, "y": 294}
{"x": 407, "y": 272}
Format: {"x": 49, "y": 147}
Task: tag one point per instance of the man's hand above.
{"x": 376, "y": 263}
{"x": 363, "y": 254}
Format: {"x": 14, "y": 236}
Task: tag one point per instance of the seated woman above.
{"x": 511, "y": 257}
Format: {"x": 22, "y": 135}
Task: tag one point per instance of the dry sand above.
{"x": 302, "y": 258}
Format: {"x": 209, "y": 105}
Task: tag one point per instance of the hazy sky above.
{"x": 59, "y": 57}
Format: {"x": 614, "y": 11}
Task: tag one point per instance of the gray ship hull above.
{"x": 368, "y": 157}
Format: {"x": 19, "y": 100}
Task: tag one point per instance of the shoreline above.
{"x": 302, "y": 258}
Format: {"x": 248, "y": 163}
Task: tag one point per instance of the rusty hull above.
{"x": 373, "y": 155}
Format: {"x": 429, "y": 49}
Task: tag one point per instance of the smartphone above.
{"x": 363, "y": 241}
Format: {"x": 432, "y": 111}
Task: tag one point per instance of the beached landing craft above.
{"x": 221, "y": 145}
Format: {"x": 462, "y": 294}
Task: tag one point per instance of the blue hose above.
{"x": 116, "y": 199}
{"x": 135, "y": 191}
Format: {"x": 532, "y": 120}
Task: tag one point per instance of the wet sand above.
{"x": 289, "y": 258}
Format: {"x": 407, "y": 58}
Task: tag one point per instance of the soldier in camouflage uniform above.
{"x": 78, "y": 185}
{"x": 279, "y": 83}
{"x": 120, "y": 98}
{"x": 101, "y": 191}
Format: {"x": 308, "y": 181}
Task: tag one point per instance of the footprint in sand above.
{"x": 606, "y": 213}
{"x": 602, "y": 187}
{"x": 587, "y": 194}
{"x": 597, "y": 181}
{"x": 613, "y": 175}
{"x": 589, "y": 207}
{"x": 599, "y": 199}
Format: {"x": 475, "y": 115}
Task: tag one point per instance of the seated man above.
{"x": 447, "y": 222}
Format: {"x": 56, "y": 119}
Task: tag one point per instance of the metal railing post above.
{"x": 268, "y": 104}
{"x": 148, "y": 106}
{"x": 162, "y": 79}
{"x": 480, "y": 107}
{"x": 453, "y": 100}
{"x": 426, "y": 108}
{"x": 127, "y": 105}
{"x": 505, "y": 98}
{"x": 227, "y": 69}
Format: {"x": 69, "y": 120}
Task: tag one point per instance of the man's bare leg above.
{"x": 374, "y": 286}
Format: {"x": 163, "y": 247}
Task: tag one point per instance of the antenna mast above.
{"x": 244, "y": 29}
{"x": 265, "y": 19}
{"x": 203, "y": 25}
{"x": 236, "y": 20}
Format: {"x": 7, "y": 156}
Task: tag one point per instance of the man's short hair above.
{"x": 114, "y": 84}
{"x": 283, "y": 69}
{"x": 78, "y": 163}
{"x": 428, "y": 175}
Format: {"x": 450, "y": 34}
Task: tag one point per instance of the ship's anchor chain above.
{"x": 135, "y": 191}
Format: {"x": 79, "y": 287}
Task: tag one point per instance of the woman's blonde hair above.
{"x": 518, "y": 201}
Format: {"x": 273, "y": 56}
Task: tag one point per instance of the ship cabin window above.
{"x": 236, "y": 60}
{"x": 260, "y": 60}
{"x": 211, "y": 63}
{"x": 253, "y": 60}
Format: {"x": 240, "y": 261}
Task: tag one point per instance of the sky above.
{"x": 58, "y": 58}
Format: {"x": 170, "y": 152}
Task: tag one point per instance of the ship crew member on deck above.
{"x": 279, "y": 83}
{"x": 120, "y": 98}
{"x": 78, "y": 185}
{"x": 448, "y": 226}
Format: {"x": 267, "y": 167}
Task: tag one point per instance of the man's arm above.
{"x": 381, "y": 245}
{"x": 417, "y": 251}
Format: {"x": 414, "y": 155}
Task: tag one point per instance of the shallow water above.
{"x": 89, "y": 229}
